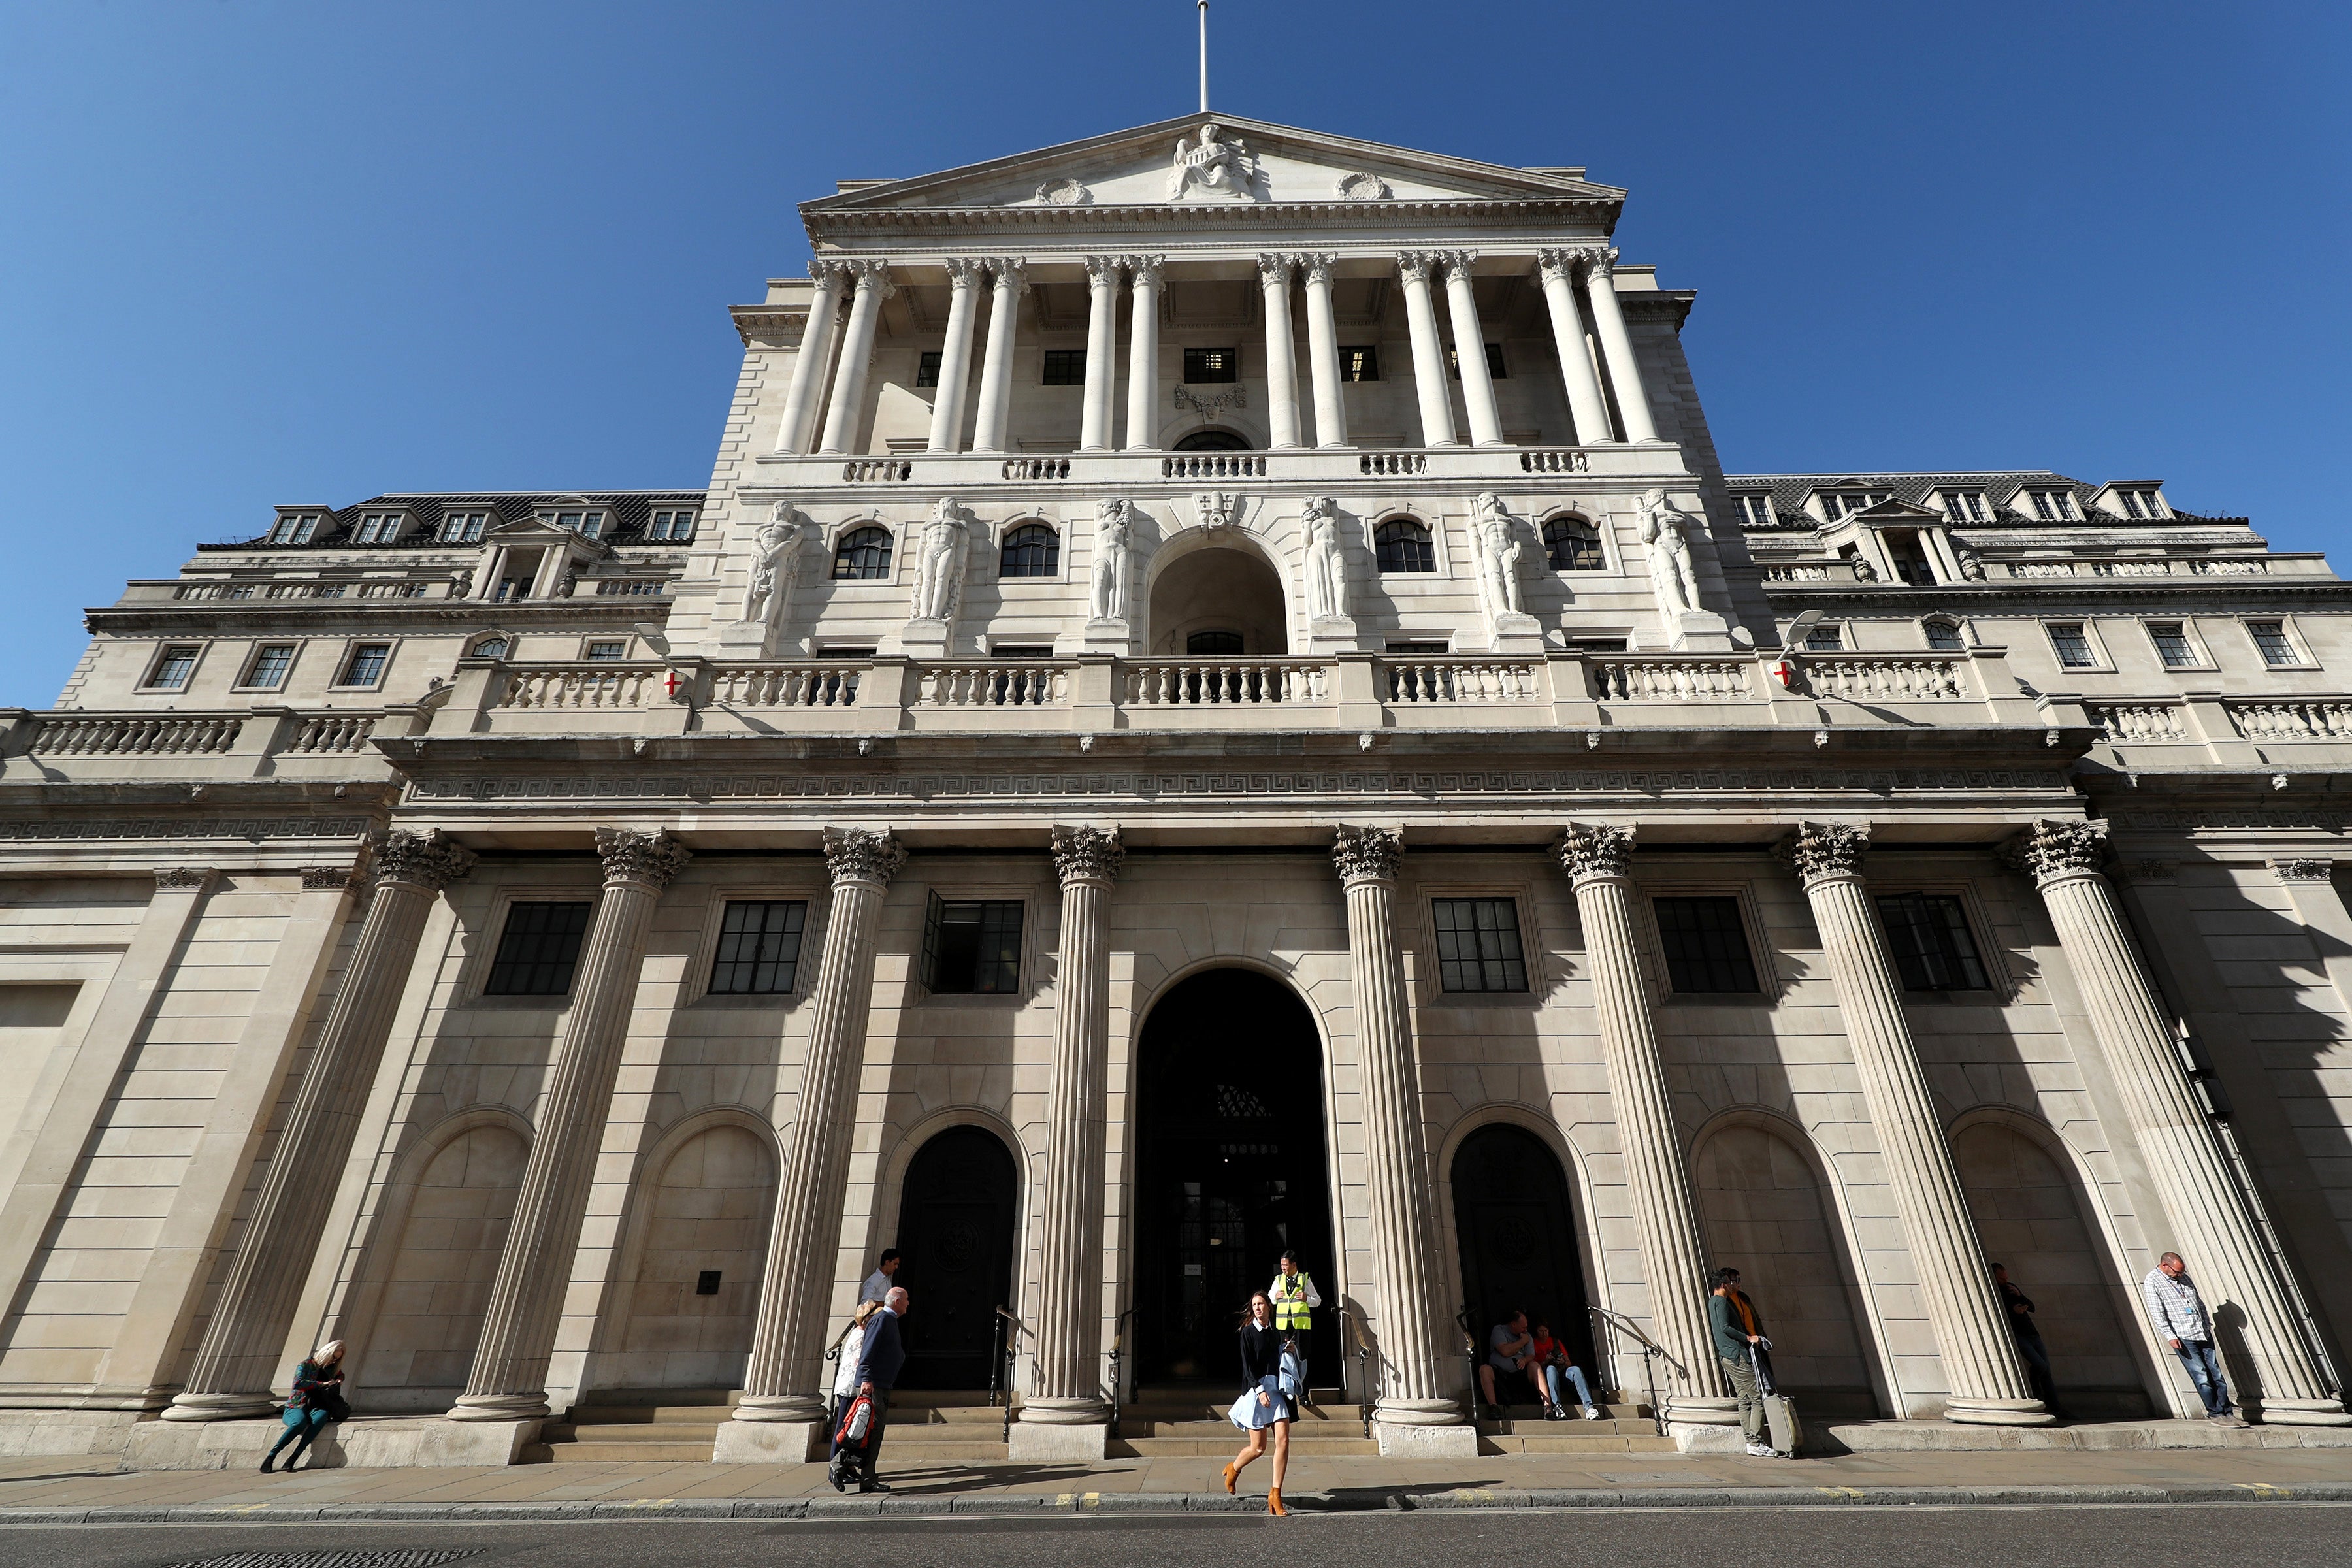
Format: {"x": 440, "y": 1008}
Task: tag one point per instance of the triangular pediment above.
{"x": 1248, "y": 162}
{"x": 1894, "y": 511}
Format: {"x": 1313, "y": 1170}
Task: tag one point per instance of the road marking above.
{"x": 649, "y": 1502}
{"x": 1841, "y": 1492}
{"x": 2261, "y": 1488}
{"x": 1474, "y": 1495}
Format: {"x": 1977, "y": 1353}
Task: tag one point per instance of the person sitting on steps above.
{"x": 1549, "y": 1366}
{"x": 1509, "y": 1354}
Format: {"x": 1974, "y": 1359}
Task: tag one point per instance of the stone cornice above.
{"x": 776, "y": 326}
{"x": 204, "y": 616}
{"x": 1980, "y": 596}
{"x": 1482, "y": 212}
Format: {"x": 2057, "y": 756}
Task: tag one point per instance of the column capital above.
{"x": 1315, "y": 266}
{"x": 1275, "y": 267}
{"x": 1822, "y": 852}
{"x": 1144, "y": 271}
{"x": 827, "y": 272}
{"x": 1010, "y": 270}
{"x": 1591, "y": 851}
{"x": 860, "y": 855}
{"x": 1413, "y": 266}
{"x": 629, "y": 856}
{"x": 1087, "y": 854}
{"x": 873, "y": 275}
{"x": 2054, "y": 851}
{"x": 1102, "y": 271}
{"x": 184, "y": 878}
{"x": 963, "y": 271}
{"x": 1454, "y": 264}
{"x": 1366, "y": 855}
{"x": 1558, "y": 264}
{"x": 430, "y": 860}
{"x": 1599, "y": 260}
{"x": 2302, "y": 870}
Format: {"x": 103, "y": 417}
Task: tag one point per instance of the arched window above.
{"x": 1200, "y": 643}
{"x": 1213, "y": 440}
{"x": 1402, "y": 546}
{"x": 863, "y": 552}
{"x": 490, "y": 648}
{"x": 1031, "y": 550}
{"x": 1944, "y": 637}
{"x": 1572, "y": 544}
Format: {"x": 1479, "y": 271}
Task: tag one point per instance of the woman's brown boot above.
{"x": 1230, "y": 1474}
{"x": 1274, "y": 1502}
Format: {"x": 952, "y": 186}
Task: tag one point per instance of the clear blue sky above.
{"x": 261, "y": 252}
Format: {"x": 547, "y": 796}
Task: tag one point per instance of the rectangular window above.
{"x": 1944, "y": 637}
{"x": 672, "y": 526}
{"x": 1478, "y": 945}
{"x": 365, "y": 666}
{"x": 1825, "y": 639}
{"x": 972, "y": 947}
{"x": 2278, "y": 649}
{"x": 1494, "y": 362}
{"x": 539, "y": 950}
{"x": 926, "y": 367}
{"x": 2056, "y": 506}
{"x": 270, "y": 663}
{"x": 1965, "y": 506}
{"x": 1066, "y": 367}
{"x": 463, "y": 527}
{"x": 2172, "y": 644}
{"x": 2141, "y": 504}
{"x": 173, "y": 665}
{"x": 1359, "y": 362}
{"x": 1756, "y": 510}
{"x": 758, "y": 949}
{"x": 1212, "y": 364}
{"x": 603, "y": 649}
{"x": 2074, "y": 644}
{"x": 1706, "y": 948}
{"x": 1928, "y": 933}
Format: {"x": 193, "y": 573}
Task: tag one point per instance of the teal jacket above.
{"x": 1730, "y": 1334}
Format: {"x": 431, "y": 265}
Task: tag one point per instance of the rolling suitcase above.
{"x": 1780, "y": 1427}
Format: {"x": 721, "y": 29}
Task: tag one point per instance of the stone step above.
{"x": 717, "y": 1397}
{"x": 646, "y": 1414}
{"x": 572, "y": 1453}
{"x": 1537, "y": 1427}
{"x": 1558, "y": 1442}
{"x": 1224, "y": 1448}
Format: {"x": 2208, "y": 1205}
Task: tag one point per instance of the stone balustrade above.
{"x": 931, "y": 474}
{"x": 1877, "y": 678}
{"x": 1555, "y": 460}
{"x": 1457, "y": 680}
{"x": 1022, "y": 683}
{"x": 831, "y": 683}
{"x": 2317, "y": 721}
{"x": 2141, "y": 722}
{"x": 139, "y": 736}
{"x": 1232, "y": 683}
{"x": 1671, "y": 677}
{"x": 600, "y": 685}
{"x": 325, "y": 734}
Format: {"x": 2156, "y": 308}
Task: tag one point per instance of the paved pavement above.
{"x": 79, "y": 1489}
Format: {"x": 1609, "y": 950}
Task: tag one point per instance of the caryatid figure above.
{"x": 775, "y": 567}
{"x": 1114, "y": 527}
{"x": 1666, "y": 530}
{"x": 939, "y": 567}
{"x": 1327, "y": 560}
{"x": 1496, "y": 539}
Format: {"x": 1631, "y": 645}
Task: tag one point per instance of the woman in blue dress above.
{"x": 1272, "y": 1380}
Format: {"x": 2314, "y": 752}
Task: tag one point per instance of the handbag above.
{"x": 855, "y": 1422}
{"x": 331, "y": 1401}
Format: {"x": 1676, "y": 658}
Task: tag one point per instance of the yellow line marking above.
{"x": 1841, "y": 1492}
{"x": 649, "y": 1502}
{"x": 2262, "y": 1488}
{"x": 242, "y": 1508}
{"x": 1474, "y": 1494}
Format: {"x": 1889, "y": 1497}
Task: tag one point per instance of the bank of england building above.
{"x": 1218, "y": 698}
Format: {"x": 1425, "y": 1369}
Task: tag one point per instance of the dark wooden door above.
{"x": 1518, "y": 1235}
{"x": 957, "y": 1217}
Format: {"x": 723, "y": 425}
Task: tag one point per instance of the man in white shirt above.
{"x": 878, "y": 1284}
{"x": 2182, "y": 1323}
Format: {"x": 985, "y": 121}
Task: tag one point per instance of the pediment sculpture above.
{"x": 1216, "y": 165}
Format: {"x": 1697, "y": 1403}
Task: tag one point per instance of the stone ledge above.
{"x": 1917, "y": 1437}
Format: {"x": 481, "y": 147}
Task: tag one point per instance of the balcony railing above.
{"x": 952, "y": 472}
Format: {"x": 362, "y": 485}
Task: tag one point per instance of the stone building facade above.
{"x": 1218, "y": 697}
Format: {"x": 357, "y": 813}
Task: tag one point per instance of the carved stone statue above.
{"x": 1664, "y": 529}
{"x": 775, "y": 567}
{"x": 1972, "y": 567}
{"x": 938, "y": 566}
{"x": 1219, "y": 165}
{"x": 1864, "y": 571}
{"x": 1114, "y": 526}
{"x": 1496, "y": 541}
{"x": 1327, "y": 560}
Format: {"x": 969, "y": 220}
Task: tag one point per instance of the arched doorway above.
{"x": 438, "y": 1286}
{"x": 1230, "y": 1170}
{"x": 1518, "y": 1235}
{"x": 1224, "y": 595}
{"x": 957, "y": 1218}
{"x": 1213, "y": 440}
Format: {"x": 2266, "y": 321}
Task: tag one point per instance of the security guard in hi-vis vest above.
{"x": 1294, "y": 1296}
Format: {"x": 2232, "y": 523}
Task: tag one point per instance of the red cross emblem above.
{"x": 672, "y": 684}
{"x": 1788, "y": 673}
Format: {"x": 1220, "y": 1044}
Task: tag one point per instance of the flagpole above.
{"x": 1204, "y": 56}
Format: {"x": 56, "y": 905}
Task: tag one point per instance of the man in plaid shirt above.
{"x": 2182, "y": 1323}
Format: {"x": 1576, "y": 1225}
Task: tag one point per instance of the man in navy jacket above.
{"x": 879, "y": 1360}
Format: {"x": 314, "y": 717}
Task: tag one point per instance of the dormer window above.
{"x": 2054, "y": 505}
{"x": 464, "y": 527}
{"x": 677, "y": 527}
{"x": 295, "y": 528}
{"x": 1836, "y": 504}
{"x": 586, "y": 524}
{"x": 1756, "y": 510}
{"x": 1966, "y": 506}
{"x": 2141, "y": 504}
{"x": 378, "y": 527}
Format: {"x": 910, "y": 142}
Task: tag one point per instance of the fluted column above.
{"x": 786, "y": 1377}
{"x": 1586, "y": 404}
{"x": 1429, "y": 382}
{"x": 997, "y": 370}
{"x": 1470, "y": 352}
{"x": 1323, "y": 353}
{"x": 238, "y": 1357}
{"x": 848, "y": 405}
{"x": 955, "y": 355}
{"x": 1102, "y": 333}
{"x": 1281, "y": 369}
{"x": 1404, "y": 1250}
{"x": 1616, "y": 347}
{"x": 509, "y": 1380}
{"x": 1596, "y": 857}
{"x": 1985, "y": 1382}
{"x": 2203, "y": 1218}
{"x": 1069, "y": 1318}
{"x": 807, "y": 389}
{"x": 1144, "y": 274}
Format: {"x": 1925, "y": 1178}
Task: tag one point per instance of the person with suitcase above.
{"x": 1737, "y": 1331}
{"x": 879, "y": 1361}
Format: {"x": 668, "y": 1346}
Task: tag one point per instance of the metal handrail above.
{"x": 1353, "y": 1328}
{"x": 1116, "y": 1355}
{"x": 999, "y": 1377}
{"x": 1651, "y": 1353}
{"x": 1470, "y": 1342}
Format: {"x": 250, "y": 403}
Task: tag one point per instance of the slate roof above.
{"x": 630, "y": 510}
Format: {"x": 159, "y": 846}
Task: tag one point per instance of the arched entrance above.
{"x": 1220, "y": 594}
{"x": 1518, "y": 1236}
{"x": 1230, "y": 1170}
{"x": 956, "y": 1218}
{"x": 1214, "y": 441}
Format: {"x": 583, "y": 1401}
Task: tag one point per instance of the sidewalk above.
{"x": 54, "y": 1491}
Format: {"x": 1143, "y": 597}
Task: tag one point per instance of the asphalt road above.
{"x": 2275, "y": 1534}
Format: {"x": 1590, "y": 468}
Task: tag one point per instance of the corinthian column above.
{"x": 1102, "y": 332}
{"x": 1586, "y": 405}
{"x": 848, "y": 406}
{"x": 1323, "y": 353}
{"x": 1069, "y": 1320}
{"x": 509, "y": 1380}
{"x": 237, "y": 1358}
{"x": 786, "y": 1377}
{"x": 1429, "y": 385}
{"x": 955, "y": 355}
{"x": 1985, "y": 1382}
{"x": 1596, "y": 858}
{"x": 2204, "y": 1219}
{"x": 1404, "y": 1251}
{"x": 1616, "y": 347}
{"x": 807, "y": 389}
{"x": 1143, "y": 351}
{"x": 997, "y": 370}
{"x": 1281, "y": 367}
{"x": 1470, "y": 352}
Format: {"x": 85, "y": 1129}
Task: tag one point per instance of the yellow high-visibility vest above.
{"x": 1290, "y": 1304}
